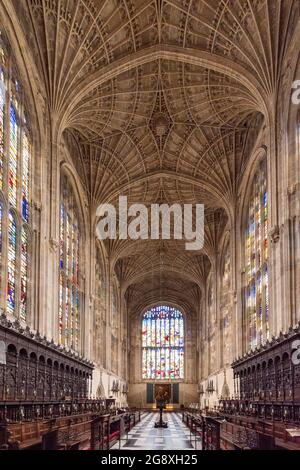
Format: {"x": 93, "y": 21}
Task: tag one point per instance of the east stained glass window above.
{"x": 162, "y": 343}
{"x": 15, "y": 164}
{"x": 69, "y": 273}
{"x": 256, "y": 261}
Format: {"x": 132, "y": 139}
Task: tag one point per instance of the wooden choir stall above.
{"x": 265, "y": 411}
{"x": 44, "y": 397}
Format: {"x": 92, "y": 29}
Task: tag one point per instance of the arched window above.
{"x": 211, "y": 322}
{"x": 225, "y": 305}
{"x": 99, "y": 309}
{"x": 163, "y": 343}
{"x": 70, "y": 281}
{"x": 15, "y": 164}
{"x": 115, "y": 318}
{"x": 24, "y": 272}
{"x": 256, "y": 260}
{"x": 100, "y": 289}
{"x": 2, "y": 113}
{"x": 210, "y": 307}
{"x": 11, "y": 263}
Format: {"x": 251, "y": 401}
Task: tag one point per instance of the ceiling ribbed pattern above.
{"x": 160, "y": 100}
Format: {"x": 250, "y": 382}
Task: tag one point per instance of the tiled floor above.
{"x": 145, "y": 437}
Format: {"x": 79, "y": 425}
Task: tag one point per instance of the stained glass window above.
{"x": 99, "y": 307}
{"x": 256, "y": 260}
{"x": 225, "y": 306}
{"x": 2, "y": 110}
{"x": 1, "y": 212}
{"x": 211, "y": 306}
{"x": 24, "y": 273}
{"x": 13, "y": 156}
{"x": 69, "y": 273}
{"x": 211, "y": 321}
{"x": 114, "y": 330}
{"x": 15, "y": 164}
{"x": 25, "y": 176}
{"x": 100, "y": 290}
{"x": 163, "y": 343}
{"x": 11, "y": 263}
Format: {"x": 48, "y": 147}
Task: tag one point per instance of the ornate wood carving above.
{"x": 38, "y": 369}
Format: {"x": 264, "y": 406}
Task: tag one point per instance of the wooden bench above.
{"x": 26, "y": 435}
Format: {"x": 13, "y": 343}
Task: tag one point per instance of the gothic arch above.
{"x": 189, "y": 56}
{"x": 72, "y": 336}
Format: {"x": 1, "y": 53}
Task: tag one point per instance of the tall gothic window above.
{"x": 211, "y": 321}
{"x": 163, "y": 343}
{"x": 70, "y": 281}
{"x": 256, "y": 260}
{"x": 114, "y": 330}
{"x": 15, "y": 163}
{"x": 225, "y": 305}
{"x": 210, "y": 307}
{"x": 99, "y": 309}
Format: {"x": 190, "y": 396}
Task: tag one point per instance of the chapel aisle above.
{"x": 145, "y": 437}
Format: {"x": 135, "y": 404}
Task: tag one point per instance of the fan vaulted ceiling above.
{"x": 160, "y": 100}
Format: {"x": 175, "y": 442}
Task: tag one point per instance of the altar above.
{"x": 162, "y": 397}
